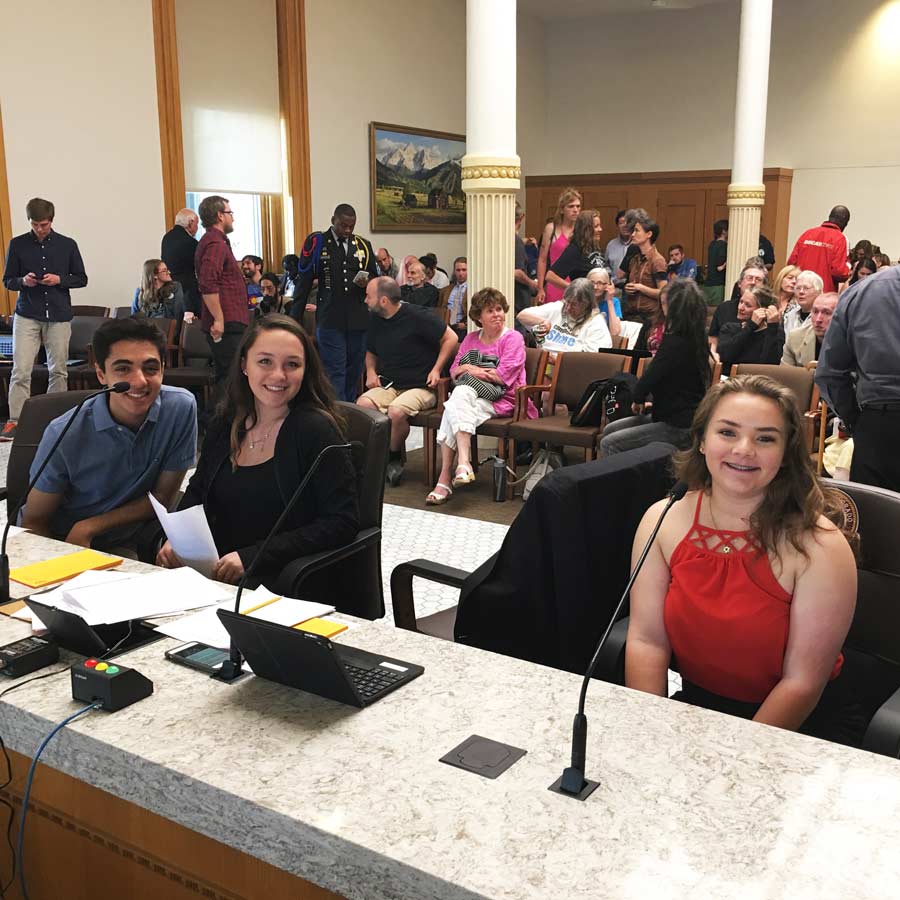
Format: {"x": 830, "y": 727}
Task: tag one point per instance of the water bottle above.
{"x": 499, "y": 479}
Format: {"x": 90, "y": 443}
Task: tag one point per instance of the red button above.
{"x": 90, "y": 663}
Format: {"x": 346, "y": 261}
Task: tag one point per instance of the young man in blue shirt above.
{"x": 94, "y": 489}
{"x": 679, "y": 265}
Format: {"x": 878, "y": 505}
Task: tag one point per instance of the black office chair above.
{"x": 349, "y": 578}
{"x": 548, "y": 593}
{"x": 37, "y": 413}
{"x": 872, "y": 648}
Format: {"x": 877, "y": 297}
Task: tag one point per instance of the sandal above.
{"x": 436, "y": 499}
{"x": 464, "y": 475}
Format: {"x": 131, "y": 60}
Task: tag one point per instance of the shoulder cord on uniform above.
{"x": 309, "y": 259}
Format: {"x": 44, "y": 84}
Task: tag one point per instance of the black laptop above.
{"x": 314, "y": 664}
{"x": 72, "y": 632}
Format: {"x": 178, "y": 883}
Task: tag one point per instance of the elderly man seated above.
{"x": 804, "y": 343}
{"x": 407, "y": 349}
{"x": 417, "y": 291}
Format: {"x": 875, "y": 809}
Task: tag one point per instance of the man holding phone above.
{"x": 343, "y": 263}
{"x": 42, "y": 265}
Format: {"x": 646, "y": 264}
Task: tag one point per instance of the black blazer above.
{"x": 327, "y": 517}
{"x": 177, "y": 252}
{"x": 341, "y": 304}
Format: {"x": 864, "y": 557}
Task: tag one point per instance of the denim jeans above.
{"x": 638, "y": 431}
{"x": 343, "y": 356}
{"x": 28, "y": 335}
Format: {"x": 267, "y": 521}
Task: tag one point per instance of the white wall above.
{"x": 402, "y": 62}
{"x": 665, "y": 101}
{"x": 81, "y": 129}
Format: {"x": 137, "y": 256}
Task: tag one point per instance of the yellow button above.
{"x": 102, "y": 667}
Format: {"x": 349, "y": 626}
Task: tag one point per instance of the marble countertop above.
{"x": 691, "y": 803}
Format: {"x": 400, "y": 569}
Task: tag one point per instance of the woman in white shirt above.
{"x": 571, "y": 324}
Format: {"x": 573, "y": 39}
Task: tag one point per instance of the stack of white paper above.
{"x": 103, "y": 598}
{"x": 205, "y": 627}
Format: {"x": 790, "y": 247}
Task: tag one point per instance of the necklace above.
{"x": 258, "y": 443}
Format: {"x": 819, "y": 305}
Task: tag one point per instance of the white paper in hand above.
{"x": 188, "y": 533}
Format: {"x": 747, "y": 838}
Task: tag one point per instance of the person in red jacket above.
{"x": 824, "y": 249}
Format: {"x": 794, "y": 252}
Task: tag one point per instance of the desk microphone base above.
{"x": 229, "y": 672}
{"x": 586, "y": 791}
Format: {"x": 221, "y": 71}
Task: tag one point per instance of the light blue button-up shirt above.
{"x": 102, "y": 465}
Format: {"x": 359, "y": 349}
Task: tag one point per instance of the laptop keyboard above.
{"x": 370, "y": 682}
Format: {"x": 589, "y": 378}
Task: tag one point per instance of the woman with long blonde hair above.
{"x": 556, "y": 237}
{"x": 783, "y": 288}
{"x": 158, "y": 297}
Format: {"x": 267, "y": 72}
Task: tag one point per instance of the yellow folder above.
{"x": 323, "y": 627}
{"x": 62, "y": 568}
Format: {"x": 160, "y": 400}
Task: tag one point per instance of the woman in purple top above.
{"x": 465, "y": 410}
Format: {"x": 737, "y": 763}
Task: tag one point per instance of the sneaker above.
{"x": 394, "y": 473}
{"x": 9, "y": 431}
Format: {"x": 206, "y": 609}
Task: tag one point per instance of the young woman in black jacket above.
{"x": 757, "y": 336}
{"x": 676, "y": 380}
{"x": 278, "y": 414}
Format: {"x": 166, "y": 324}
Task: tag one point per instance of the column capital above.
{"x": 746, "y": 195}
{"x": 491, "y": 173}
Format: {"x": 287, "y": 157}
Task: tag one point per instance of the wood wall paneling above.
{"x": 272, "y": 214}
{"x": 686, "y": 204}
{"x": 168, "y": 94}
{"x": 7, "y": 298}
{"x": 83, "y": 843}
{"x": 292, "y": 89}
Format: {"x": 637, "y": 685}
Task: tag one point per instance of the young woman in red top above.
{"x": 748, "y": 584}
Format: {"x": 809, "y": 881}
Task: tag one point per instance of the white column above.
{"x": 490, "y": 168}
{"x": 746, "y": 193}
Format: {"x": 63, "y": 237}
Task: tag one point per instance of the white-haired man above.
{"x": 177, "y": 251}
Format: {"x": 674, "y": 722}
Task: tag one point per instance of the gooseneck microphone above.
{"x": 231, "y": 669}
{"x": 120, "y": 387}
{"x": 573, "y": 783}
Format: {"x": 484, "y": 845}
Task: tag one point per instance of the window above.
{"x": 247, "y": 235}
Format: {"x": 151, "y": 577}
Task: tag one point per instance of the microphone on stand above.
{"x": 230, "y": 670}
{"x": 120, "y": 387}
{"x": 572, "y": 783}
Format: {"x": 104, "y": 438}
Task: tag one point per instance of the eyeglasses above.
{"x": 227, "y": 212}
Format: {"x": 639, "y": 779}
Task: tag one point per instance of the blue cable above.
{"x": 20, "y": 852}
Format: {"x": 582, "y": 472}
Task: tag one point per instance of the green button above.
{"x": 112, "y": 670}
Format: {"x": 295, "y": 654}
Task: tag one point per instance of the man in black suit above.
{"x": 343, "y": 263}
{"x": 177, "y": 252}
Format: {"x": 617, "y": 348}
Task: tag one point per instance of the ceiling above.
{"x": 585, "y": 9}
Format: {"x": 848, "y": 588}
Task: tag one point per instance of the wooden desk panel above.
{"x": 82, "y": 843}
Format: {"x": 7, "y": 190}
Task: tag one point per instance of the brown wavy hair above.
{"x": 583, "y": 232}
{"x": 794, "y": 500}
{"x": 484, "y": 299}
{"x": 238, "y": 406}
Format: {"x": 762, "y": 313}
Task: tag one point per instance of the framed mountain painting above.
{"x": 416, "y": 179}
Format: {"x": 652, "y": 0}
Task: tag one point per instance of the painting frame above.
{"x": 396, "y": 203}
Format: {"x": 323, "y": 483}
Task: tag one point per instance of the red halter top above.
{"x": 726, "y": 616}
